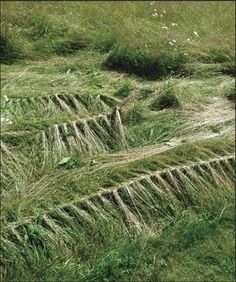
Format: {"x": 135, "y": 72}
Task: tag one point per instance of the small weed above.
{"x": 70, "y": 163}
{"x": 214, "y": 128}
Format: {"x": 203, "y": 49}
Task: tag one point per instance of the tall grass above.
{"x": 123, "y": 212}
{"x": 64, "y": 27}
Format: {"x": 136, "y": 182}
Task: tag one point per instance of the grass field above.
{"x": 117, "y": 141}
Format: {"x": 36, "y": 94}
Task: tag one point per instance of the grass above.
{"x": 117, "y": 146}
{"x": 186, "y": 27}
{"x": 77, "y": 181}
{"x": 124, "y": 90}
{"x": 146, "y": 256}
{"x": 145, "y": 126}
{"x": 144, "y": 63}
{"x": 166, "y": 99}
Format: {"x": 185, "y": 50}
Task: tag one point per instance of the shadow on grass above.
{"x": 144, "y": 63}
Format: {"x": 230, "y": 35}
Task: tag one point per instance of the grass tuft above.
{"x": 229, "y": 69}
{"x": 9, "y": 52}
{"x": 124, "y": 90}
{"x": 70, "y": 47}
{"x": 145, "y": 63}
{"x": 167, "y": 99}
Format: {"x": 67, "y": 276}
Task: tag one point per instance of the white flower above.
{"x": 164, "y": 27}
{"x": 174, "y": 24}
{"x": 6, "y": 120}
{"x": 155, "y": 10}
{"x": 188, "y": 39}
{"x": 171, "y": 43}
{"x": 196, "y": 34}
{"x": 6, "y": 98}
{"x": 164, "y": 11}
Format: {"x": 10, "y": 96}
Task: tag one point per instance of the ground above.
{"x": 110, "y": 174}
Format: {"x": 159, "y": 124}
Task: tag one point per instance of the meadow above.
{"x": 117, "y": 141}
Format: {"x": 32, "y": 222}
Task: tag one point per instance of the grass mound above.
{"x": 8, "y": 51}
{"x": 164, "y": 102}
{"x": 144, "y": 63}
{"x": 229, "y": 69}
{"x": 167, "y": 99}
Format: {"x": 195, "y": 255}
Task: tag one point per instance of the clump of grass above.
{"x": 41, "y": 27}
{"x": 69, "y": 47}
{"x": 229, "y": 69}
{"x": 215, "y": 128}
{"x": 71, "y": 163}
{"x": 124, "y": 90}
{"x": 167, "y": 99}
{"x": 145, "y": 63}
{"x": 219, "y": 55}
{"x": 227, "y": 89}
{"x": 9, "y": 52}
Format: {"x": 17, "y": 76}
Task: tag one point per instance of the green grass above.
{"x": 192, "y": 247}
{"x": 46, "y": 185}
{"x": 112, "y": 199}
{"x": 166, "y": 99}
{"x": 77, "y": 177}
{"x": 44, "y": 30}
{"x": 144, "y": 63}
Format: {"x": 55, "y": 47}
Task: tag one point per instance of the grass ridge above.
{"x": 220, "y": 170}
